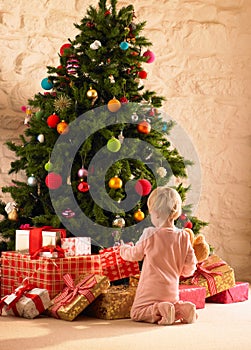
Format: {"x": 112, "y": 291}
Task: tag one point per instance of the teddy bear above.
{"x": 199, "y": 244}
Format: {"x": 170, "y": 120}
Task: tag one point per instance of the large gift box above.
{"x": 44, "y": 272}
{"x": 74, "y": 246}
{"x": 26, "y": 301}
{"x": 31, "y": 239}
{"x": 114, "y": 267}
{"x": 214, "y": 274}
{"x": 76, "y": 296}
{"x": 116, "y": 302}
{"x": 235, "y": 294}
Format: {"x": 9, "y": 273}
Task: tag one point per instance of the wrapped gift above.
{"x": 114, "y": 267}
{"x": 44, "y": 272}
{"x": 32, "y": 238}
{"x": 76, "y": 296}
{"x": 214, "y": 274}
{"x": 74, "y": 246}
{"x": 116, "y": 302}
{"x": 235, "y": 294}
{"x": 26, "y": 301}
{"x": 194, "y": 294}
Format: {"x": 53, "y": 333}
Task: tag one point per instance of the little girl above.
{"x": 167, "y": 254}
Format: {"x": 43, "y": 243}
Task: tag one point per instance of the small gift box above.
{"x": 235, "y": 294}
{"x": 116, "y": 302}
{"x": 76, "y": 296}
{"x": 74, "y": 246}
{"x": 114, "y": 267}
{"x": 26, "y": 301}
{"x": 214, "y": 274}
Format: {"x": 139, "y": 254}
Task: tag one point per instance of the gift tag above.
{"x": 10, "y": 298}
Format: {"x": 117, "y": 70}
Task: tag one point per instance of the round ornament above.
{"x": 53, "y": 181}
{"x": 143, "y": 187}
{"x": 72, "y": 66}
{"x": 142, "y": 74}
{"x": 92, "y": 94}
{"x": 188, "y": 224}
{"x": 144, "y": 127}
{"x": 53, "y": 120}
{"x": 113, "y": 145}
{"x": 46, "y": 84}
{"x": 83, "y": 186}
{"x": 118, "y": 222}
{"x": 150, "y": 56}
{"x": 31, "y": 181}
{"x": 62, "y": 127}
{"x": 123, "y": 100}
{"x": 68, "y": 213}
{"x": 48, "y": 166}
{"x": 39, "y": 114}
{"x": 63, "y": 48}
{"x": 115, "y": 183}
{"x": 40, "y": 138}
{"x": 113, "y": 105}
{"x": 13, "y": 215}
{"x": 82, "y": 172}
{"x": 124, "y": 45}
{"x": 139, "y": 215}
{"x": 161, "y": 171}
{"x": 134, "y": 117}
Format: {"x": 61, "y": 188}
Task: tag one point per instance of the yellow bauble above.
{"x": 92, "y": 94}
{"x": 115, "y": 183}
{"x": 139, "y": 215}
{"x": 13, "y": 215}
{"x": 62, "y": 127}
{"x": 113, "y": 105}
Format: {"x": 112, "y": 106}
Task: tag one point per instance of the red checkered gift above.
{"x": 114, "y": 267}
{"x": 44, "y": 272}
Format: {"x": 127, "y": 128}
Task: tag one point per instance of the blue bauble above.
{"x": 124, "y": 45}
{"x": 46, "y": 84}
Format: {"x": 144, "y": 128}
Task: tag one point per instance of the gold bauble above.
{"x": 62, "y": 127}
{"x": 139, "y": 215}
{"x": 92, "y": 94}
{"x": 13, "y": 215}
{"x": 115, "y": 183}
{"x": 113, "y": 105}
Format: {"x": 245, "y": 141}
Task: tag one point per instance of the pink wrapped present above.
{"x": 194, "y": 294}
{"x": 235, "y": 294}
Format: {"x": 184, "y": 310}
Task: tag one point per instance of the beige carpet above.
{"x": 218, "y": 327}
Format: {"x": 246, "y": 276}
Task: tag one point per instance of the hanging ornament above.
{"x": 46, "y": 84}
{"x": 92, "y": 94}
{"x": 152, "y": 112}
{"x": 139, "y": 215}
{"x": 95, "y": 45}
{"x": 188, "y": 224}
{"x": 118, "y": 222}
{"x": 83, "y": 186}
{"x": 39, "y": 114}
{"x": 123, "y": 100}
{"x": 113, "y": 105}
{"x": 121, "y": 137}
{"x": 40, "y": 138}
{"x": 143, "y": 187}
{"x": 113, "y": 145}
{"x": 90, "y": 24}
{"x": 68, "y": 213}
{"x": 10, "y": 206}
{"x": 64, "y": 48}
{"x": 82, "y": 172}
{"x": 149, "y": 55}
{"x": 53, "y": 181}
{"x": 62, "y": 127}
{"x": 161, "y": 171}
{"x": 111, "y": 78}
{"x": 134, "y": 117}
{"x": 115, "y": 182}
{"x": 72, "y": 66}
{"x": 48, "y": 166}
{"x": 53, "y": 120}
{"x": 13, "y": 215}
{"x": 31, "y": 181}
{"x": 28, "y": 115}
{"x": 62, "y": 103}
{"x": 142, "y": 74}
{"x": 124, "y": 45}
{"x": 144, "y": 127}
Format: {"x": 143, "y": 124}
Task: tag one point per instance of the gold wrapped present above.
{"x": 214, "y": 274}
{"x": 114, "y": 303}
{"x": 134, "y": 280}
{"x": 76, "y": 296}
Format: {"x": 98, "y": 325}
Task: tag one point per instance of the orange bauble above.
{"x": 113, "y": 105}
{"x": 144, "y": 127}
{"x": 62, "y": 127}
{"x": 115, "y": 183}
{"x": 139, "y": 215}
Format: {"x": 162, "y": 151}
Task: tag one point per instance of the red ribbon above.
{"x": 36, "y": 237}
{"x": 49, "y": 248}
{"x": 71, "y": 290}
{"x": 208, "y": 274}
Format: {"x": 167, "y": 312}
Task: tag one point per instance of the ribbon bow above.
{"x": 51, "y": 249}
{"x": 208, "y": 274}
{"x": 71, "y": 290}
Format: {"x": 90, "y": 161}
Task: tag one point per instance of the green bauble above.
{"x": 48, "y": 166}
{"x": 113, "y": 145}
{"x": 39, "y": 115}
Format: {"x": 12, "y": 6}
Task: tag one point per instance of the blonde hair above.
{"x": 166, "y": 202}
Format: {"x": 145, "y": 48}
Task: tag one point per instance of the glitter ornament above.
{"x": 62, "y": 127}
{"x": 144, "y": 127}
{"x": 143, "y": 187}
{"x": 139, "y": 215}
{"x": 83, "y": 186}
{"x": 46, "y": 84}
{"x": 82, "y": 172}
{"x": 115, "y": 183}
{"x": 113, "y": 145}
{"x": 53, "y": 120}
{"x": 62, "y": 103}
{"x": 113, "y": 105}
{"x": 150, "y": 56}
{"x": 31, "y": 181}
{"x": 53, "y": 181}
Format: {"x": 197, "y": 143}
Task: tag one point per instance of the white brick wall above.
{"x": 202, "y": 67}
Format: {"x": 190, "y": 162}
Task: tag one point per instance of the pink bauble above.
{"x": 53, "y": 181}
{"x": 150, "y": 55}
{"x": 143, "y": 187}
{"x": 82, "y": 172}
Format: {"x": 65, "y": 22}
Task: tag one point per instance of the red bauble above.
{"x": 150, "y": 56}
{"x": 188, "y": 224}
{"x": 83, "y": 186}
{"x": 144, "y": 127}
{"x": 53, "y": 120}
{"x": 143, "y": 187}
{"x": 63, "y": 47}
{"x": 53, "y": 181}
{"x": 123, "y": 100}
{"x": 142, "y": 74}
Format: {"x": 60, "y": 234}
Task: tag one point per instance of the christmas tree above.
{"x": 96, "y": 142}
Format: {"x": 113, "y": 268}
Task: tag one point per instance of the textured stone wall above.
{"x": 202, "y": 67}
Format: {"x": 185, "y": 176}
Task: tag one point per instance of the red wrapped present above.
{"x": 44, "y": 272}
{"x": 194, "y": 294}
{"x": 235, "y": 294}
{"x": 26, "y": 301}
{"x": 114, "y": 267}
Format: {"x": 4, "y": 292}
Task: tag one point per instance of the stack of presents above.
{"x": 59, "y": 277}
